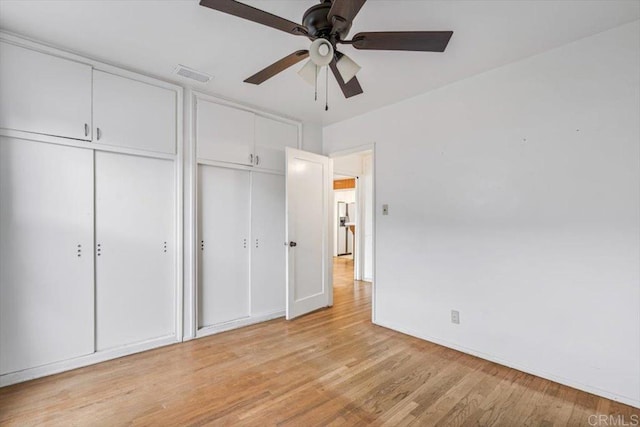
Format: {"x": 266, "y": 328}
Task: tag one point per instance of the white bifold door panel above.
{"x": 46, "y": 254}
{"x": 133, "y": 114}
{"x": 224, "y": 134}
{"x": 268, "y": 253}
{"x": 271, "y": 139}
{"x": 44, "y": 94}
{"x": 223, "y": 245}
{"x": 309, "y": 179}
{"x": 135, "y": 249}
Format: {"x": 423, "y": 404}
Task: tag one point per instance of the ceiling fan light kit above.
{"x": 327, "y": 24}
{"x": 309, "y": 72}
{"x": 321, "y": 52}
{"x": 347, "y": 68}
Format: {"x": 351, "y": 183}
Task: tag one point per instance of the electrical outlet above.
{"x": 385, "y": 209}
{"x": 455, "y": 317}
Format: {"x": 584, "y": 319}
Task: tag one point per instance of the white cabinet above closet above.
{"x": 233, "y": 135}
{"x": 271, "y": 139}
{"x": 44, "y": 94}
{"x": 224, "y": 134}
{"x": 133, "y": 114}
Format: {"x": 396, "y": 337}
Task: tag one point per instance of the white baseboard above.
{"x": 555, "y": 378}
{"x": 239, "y": 323}
{"x": 89, "y": 359}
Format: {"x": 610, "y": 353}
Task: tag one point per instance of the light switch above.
{"x": 385, "y": 209}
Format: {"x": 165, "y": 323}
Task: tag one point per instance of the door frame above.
{"x": 353, "y": 150}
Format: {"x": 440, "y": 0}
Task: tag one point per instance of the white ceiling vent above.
{"x": 190, "y": 73}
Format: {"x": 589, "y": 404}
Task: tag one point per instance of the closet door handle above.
{"x": 293, "y": 244}
{"x": 98, "y": 134}
{"x": 86, "y": 129}
{"x": 257, "y": 160}
{"x": 251, "y": 158}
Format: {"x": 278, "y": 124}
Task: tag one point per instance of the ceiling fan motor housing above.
{"x": 317, "y": 23}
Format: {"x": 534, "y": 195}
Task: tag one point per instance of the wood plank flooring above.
{"x": 330, "y": 368}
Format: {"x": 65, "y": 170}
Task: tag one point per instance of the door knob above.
{"x": 293, "y": 244}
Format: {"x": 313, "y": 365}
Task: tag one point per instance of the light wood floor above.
{"x": 332, "y": 367}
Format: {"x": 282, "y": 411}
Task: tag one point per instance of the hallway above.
{"x": 331, "y": 367}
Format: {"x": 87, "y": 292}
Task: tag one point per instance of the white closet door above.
{"x": 268, "y": 262}
{"x": 135, "y": 249}
{"x": 224, "y": 133}
{"x": 44, "y": 94}
{"x": 272, "y": 137}
{"x": 46, "y": 254}
{"x": 133, "y": 114}
{"x": 223, "y": 224}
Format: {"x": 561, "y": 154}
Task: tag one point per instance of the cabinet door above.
{"x": 44, "y": 94}
{"x": 132, "y": 114}
{"x": 46, "y": 254}
{"x": 224, "y": 133}
{"x": 223, "y": 244}
{"x": 135, "y": 249}
{"x": 268, "y": 268}
{"x": 271, "y": 139}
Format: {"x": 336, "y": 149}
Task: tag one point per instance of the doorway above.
{"x": 353, "y": 220}
{"x": 313, "y": 221}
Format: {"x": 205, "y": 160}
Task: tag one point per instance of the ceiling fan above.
{"x": 327, "y": 24}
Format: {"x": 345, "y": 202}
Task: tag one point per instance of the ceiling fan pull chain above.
{"x": 316, "y": 74}
{"x": 326, "y": 87}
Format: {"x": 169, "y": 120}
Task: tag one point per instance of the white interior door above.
{"x": 268, "y": 255}
{"x": 135, "y": 249}
{"x": 309, "y": 284}
{"x": 223, "y": 244}
{"x": 46, "y": 254}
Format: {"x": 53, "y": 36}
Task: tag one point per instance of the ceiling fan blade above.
{"x": 344, "y": 11}
{"x": 349, "y": 89}
{"x": 256, "y": 15}
{"x": 423, "y": 41}
{"x": 277, "y": 67}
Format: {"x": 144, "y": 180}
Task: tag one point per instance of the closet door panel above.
{"x": 135, "y": 249}
{"x": 133, "y": 114}
{"x": 268, "y": 268}
{"x": 44, "y": 94}
{"x": 272, "y": 137}
{"x": 223, "y": 228}
{"x": 224, "y": 133}
{"x": 46, "y": 256}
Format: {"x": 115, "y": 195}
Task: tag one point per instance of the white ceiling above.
{"x": 154, "y": 36}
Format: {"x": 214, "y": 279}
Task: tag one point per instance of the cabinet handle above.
{"x": 98, "y": 134}
{"x": 257, "y": 160}
{"x": 251, "y": 158}
{"x": 86, "y": 129}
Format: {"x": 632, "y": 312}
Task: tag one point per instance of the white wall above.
{"x": 523, "y": 213}
{"x": 312, "y": 137}
{"x": 350, "y": 165}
